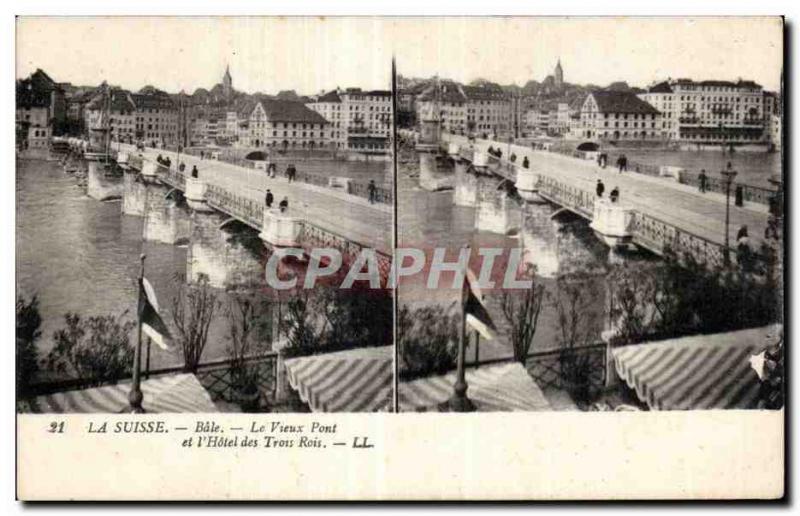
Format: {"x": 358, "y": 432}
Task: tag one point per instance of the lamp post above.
{"x": 729, "y": 174}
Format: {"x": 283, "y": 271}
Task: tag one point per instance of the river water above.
{"x": 80, "y": 255}
{"x": 754, "y": 168}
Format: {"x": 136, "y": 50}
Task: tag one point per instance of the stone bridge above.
{"x": 203, "y": 213}
{"x": 653, "y": 213}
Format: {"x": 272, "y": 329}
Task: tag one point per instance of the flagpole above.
{"x": 135, "y": 396}
{"x": 459, "y": 402}
{"x": 477, "y": 348}
{"x": 147, "y": 360}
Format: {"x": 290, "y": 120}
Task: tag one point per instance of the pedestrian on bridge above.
{"x": 525, "y": 162}
{"x": 614, "y": 195}
{"x": 290, "y": 172}
{"x": 600, "y": 188}
{"x": 373, "y": 191}
{"x": 269, "y": 198}
{"x": 284, "y": 204}
{"x": 744, "y": 254}
{"x": 702, "y": 180}
{"x": 622, "y": 162}
{"x": 202, "y": 154}
{"x": 194, "y": 171}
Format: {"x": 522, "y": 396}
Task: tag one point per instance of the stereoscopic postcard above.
{"x": 399, "y": 258}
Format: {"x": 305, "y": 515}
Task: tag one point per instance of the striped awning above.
{"x": 492, "y": 388}
{"x": 175, "y": 393}
{"x": 701, "y": 372}
{"x": 356, "y": 380}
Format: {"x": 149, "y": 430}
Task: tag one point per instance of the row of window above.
{"x": 633, "y": 124}
{"x": 259, "y": 122}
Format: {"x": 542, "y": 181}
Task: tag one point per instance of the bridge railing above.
{"x": 174, "y": 178}
{"x": 503, "y": 167}
{"x": 656, "y": 235}
{"x": 382, "y": 195}
{"x": 750, "y": 193}
{"x": 214, "y": 375}
{"x": 569, "y": 196}
{"x": 252, "y": 213}
{"x": 243, "y": 208}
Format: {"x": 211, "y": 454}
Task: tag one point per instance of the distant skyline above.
{"x": 309, "y": 55}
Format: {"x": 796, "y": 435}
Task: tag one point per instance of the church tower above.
{"x": 227, "y": 83}
{"x": 558, "y": 75}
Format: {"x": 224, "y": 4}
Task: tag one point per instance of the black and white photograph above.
{"x": 159, "y": 188}
{"x": 363, "y": 257}
{"x": 635, "y": 186}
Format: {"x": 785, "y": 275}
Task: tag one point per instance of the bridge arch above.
{"x": 588, "y": 147}
{"x": 256, "y": 155}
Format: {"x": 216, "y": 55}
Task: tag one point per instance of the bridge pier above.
{"x": 611, "y": 223}
{"x": 527, "y": 185}
{"x": 428, "y": 148}
{"x": 465, "y": 191}
{"x": 195, "y": 195}
{"x": 279, "y": 230}
{"x": 98, "y": 186}
{"x": 166, "y": 218}
{"x": 225, "y": 251}
{"x": 495, "y": 213}
{"x": 134, "y": 192}
{"x": 539, "y": 239}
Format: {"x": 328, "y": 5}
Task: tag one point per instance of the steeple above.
{"x": 558, "y": 75}
{"x": 227, "y": 82}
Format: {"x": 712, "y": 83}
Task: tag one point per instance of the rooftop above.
{"x": 289, "y": 111}
{"x": 151, "y": 101}
{"x": 120, "y": 101}
{"x": 331, "y": 96}
{"x": 448, "y": 91}
{"x": 621, "y": 102}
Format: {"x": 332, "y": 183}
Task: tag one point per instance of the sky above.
{"x": 312, "y": 54}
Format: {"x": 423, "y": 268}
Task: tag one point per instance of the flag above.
{"x": 475, "y": 313}
{"x": 152, "y": 324}
{"x": 757, "y": 363}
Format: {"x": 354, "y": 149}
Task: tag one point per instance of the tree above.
{"x": 329, "y": 318}
{"x": 298, "y": 325}
{"x": 27, "y": 333}
{"x": 96, "y": 349}
{"x": 576, "y": 324}
{"x": 521, "y": 308}
{"x": 249, "y": 327}
{"x": 682, "y": 296}
{"x": 192, "y": 311}
{"x": 427, "y": 339}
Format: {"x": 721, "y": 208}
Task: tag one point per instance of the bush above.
{"x": 249, "y": 329}
{"x": 577, "y": 322}
{"x": 96, "y": 349}
{"x": 427, "y": 341}
{"x": 330, "y": 319}
{"x": 681, "y": 296}
{"x": 192, "y": 312}
{"x": 27, "y": 333}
